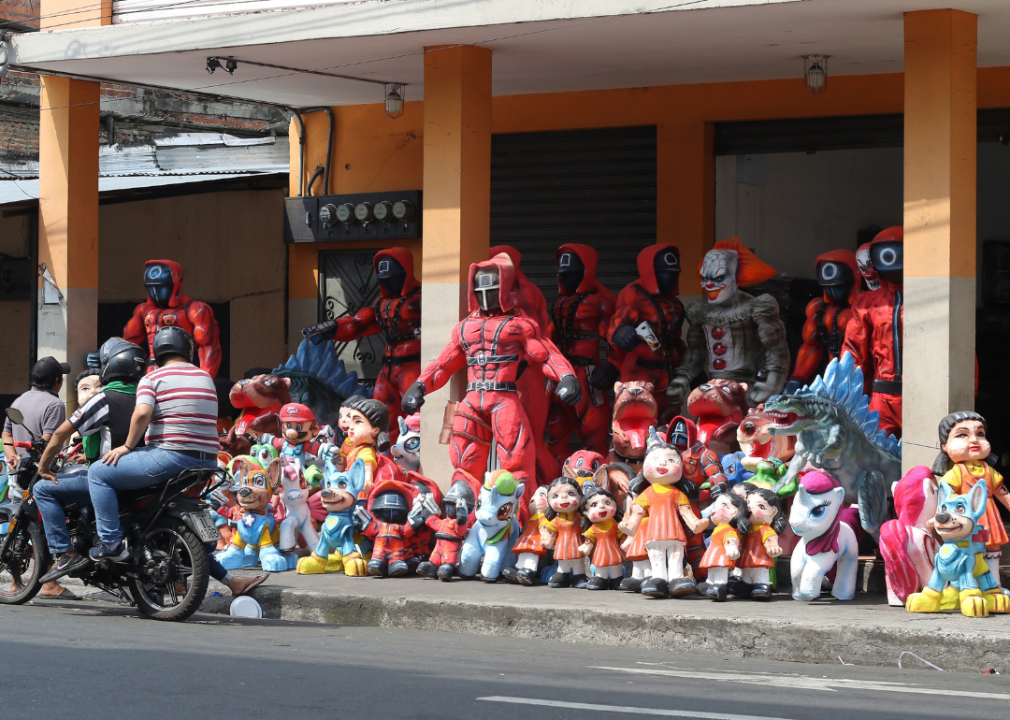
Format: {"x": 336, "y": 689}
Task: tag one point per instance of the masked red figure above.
{"x": 396, "y": 314}
{"x": 827, "y": 316}
{"x": 533, "y": 391}
{"x": 873, "y": 333}
{"x": 165, "y": 306}
{"x": 645, "y": 342}
{"x": 580, "y": 318}
{"x": 491, "y": 342}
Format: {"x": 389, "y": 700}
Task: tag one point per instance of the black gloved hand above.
{"x": 569, "y": 390}
{"x": 603, "y": 376}
{"x": 413, "y": 399}
{"x": 94, "y": 361}
{"x": 626, "y": 338}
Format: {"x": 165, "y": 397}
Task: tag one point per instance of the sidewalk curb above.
{"x": 660, "y": 629}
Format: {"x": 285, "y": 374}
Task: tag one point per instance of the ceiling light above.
{"x": 212, "y": 64}
{"x": 394, "y": 99}
{"x": 815, "y": 73}
{"x": 231, "y": 65}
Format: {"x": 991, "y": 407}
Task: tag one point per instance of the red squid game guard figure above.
{"x": 396, "y": 315}
{"x": 580, "y": 319}
{"x": 490, "y": 343}
{"x": 167, "y": 306}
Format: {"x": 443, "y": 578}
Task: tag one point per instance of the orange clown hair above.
{"x": 750, "y": 269}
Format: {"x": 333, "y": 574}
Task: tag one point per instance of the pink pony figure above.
{"x": 907, "y": 544}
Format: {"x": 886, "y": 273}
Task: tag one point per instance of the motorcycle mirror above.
{"x": 15, "y": 416}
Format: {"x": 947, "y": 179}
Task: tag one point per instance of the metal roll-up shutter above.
{"x": 596, "y": 187}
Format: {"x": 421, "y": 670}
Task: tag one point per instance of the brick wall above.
{"x": 22, "y": 12}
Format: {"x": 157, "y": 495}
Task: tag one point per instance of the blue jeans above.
{"x": 72, "y": 487}
{"x": 141, "y": 468}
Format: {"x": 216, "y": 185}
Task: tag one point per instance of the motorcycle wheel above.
{"x": 21, "y": 577}
{"x": 176, "y": 572}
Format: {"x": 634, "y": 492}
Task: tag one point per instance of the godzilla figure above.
{"x": 838, "y": 434}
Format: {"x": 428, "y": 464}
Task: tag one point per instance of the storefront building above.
{"x": 611, "y": 123}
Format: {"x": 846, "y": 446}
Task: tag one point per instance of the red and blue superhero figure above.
{"x": 167, "y": 306}
{"x": 651, "y": 300}
{"x": 579, "y": 320}
{"x": 827, "y": 316}
{"x": 396, "y": 314}
{"x": 492, "y": 342}
{"x": 450, "y": 525}
{"x": 385, "y": 521}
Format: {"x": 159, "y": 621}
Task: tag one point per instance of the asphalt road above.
{"x": 83, "y": 660}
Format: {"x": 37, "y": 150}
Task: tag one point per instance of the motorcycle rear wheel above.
{"x": 21, "y": 578}
{"x": 176, "y": 572}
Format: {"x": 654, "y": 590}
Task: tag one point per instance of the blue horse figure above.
{"x": 495, "y": 526}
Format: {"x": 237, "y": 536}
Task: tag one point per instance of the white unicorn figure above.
{"x": 824, "y": 540}
{"x": 407, "y": 451}
{"x": 298, "y": 519}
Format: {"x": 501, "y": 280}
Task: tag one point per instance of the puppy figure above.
{"x": 256, "y": 535}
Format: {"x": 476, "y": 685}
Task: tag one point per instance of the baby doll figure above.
{"x": 561, "y": 532}
{"x": 729, "y": 513}
{"x": 603, "y": 539}
{"x": 529, "y": 548}
{"x": 343, "y": 422}
{"x": 367, "y": 428}
{"x": 668, "y": 510}
{"x": 761, "y": 545}
{"x": 965, "y": 459}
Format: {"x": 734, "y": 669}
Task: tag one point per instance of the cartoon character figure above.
{"x": 635, "y": 411}
{"x": 256, "y": 535}
{"x": 866, "y": 268}
{"x": 406, "y": 452}
{"x": 579, "y": 319}
{"x": 491, "y": 342}
{"x": 294, "y": 492}
{"x": 702, "y": 468}
{"x": 529, "y": 548}
{"x": 760, "y": 545}
{"x": 668, "y": 510}
{"x": 336, "y": 550}
{"x": 965, "y": 459}
{"x": 731, "y": 330}
{"x": 298, "y": 428}
{"x": 603, "y": 539}
{"x": 757, "y": 441}
{"x": 561, "y": 532}
{"x": 960, "y": 575}
{"x": 824, "y": 540}
{"x": 827, "y": 316}
{"x": 260, "y": 399}
{"x": 396, "y": 315}
{"x": 366, "y": 438}
{"x": 165, "y": 306}
{"x": 873, "y": 333}
{"x": 495, "y": 524}
{"x": 450, "y": 524}
{"x": 729, "y": 514}
{"x": 907, "y": 544}
{"x": 385, "y": 521}
{"x": 645, "y": 342}
{"x": 720, "y": 406}
{"x": 590, "y": 469}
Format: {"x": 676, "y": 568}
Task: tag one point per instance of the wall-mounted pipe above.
{"x": 329, "y": 148}
{"x": 312, "y": 180}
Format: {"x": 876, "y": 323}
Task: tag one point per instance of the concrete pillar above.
{"x": 457, "y": 212}
{"x": 940, "y": 146}
{"x": 68, "y": 221}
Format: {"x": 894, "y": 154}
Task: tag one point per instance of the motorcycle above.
{"x": 166, "y": 528}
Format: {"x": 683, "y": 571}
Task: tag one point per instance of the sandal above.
{"x": 257, "y": 581}
{"x": 65, "y": 595}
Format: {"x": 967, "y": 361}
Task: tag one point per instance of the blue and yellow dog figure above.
{"x": 960, "y": 574}
{"x": 335, "y": 550}
{"x": 256, "y": 536}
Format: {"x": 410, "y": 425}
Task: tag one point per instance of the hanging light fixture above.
{"x": 815, "y": 73}
{"x": 394, "y": 99}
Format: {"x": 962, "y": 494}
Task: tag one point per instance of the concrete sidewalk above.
{"x": 865, "y": 631}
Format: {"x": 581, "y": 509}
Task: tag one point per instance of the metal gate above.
{"x": 346, "y": 284}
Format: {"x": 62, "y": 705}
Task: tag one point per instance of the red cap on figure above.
{"x": 296, "y": 412}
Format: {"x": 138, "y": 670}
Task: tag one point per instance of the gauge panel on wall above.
{"x": 360, "y": 216}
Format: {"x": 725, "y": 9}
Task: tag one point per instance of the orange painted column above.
{"x": 68, "y": 221}
{"x": 64, "y": 14}
{"x": 940, "y": 237}
{"x": 457, "y": 212}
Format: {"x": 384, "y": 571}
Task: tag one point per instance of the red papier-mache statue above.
{"x": 491, "y": 343}
{"x": 396, "y": 314}
{"x": 166, "y": 306}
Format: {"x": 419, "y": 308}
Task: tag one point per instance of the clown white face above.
{"x": 718, "y": 275}
{"x": 866, "y": 268}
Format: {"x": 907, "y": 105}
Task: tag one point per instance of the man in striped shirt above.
{"x": 177, "y": 409}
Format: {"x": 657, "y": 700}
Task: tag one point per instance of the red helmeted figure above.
{"x": 396, "y": 314}
{"x": 827, "y": 316}
{"x": 580, "y": 318}
{"x": 491, "y": 342}
{"x": 165, "y": 306}
{"x": 648, "y": 353}
{"x": 873, "y": 333}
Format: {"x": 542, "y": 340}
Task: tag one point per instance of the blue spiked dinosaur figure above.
{"x": 320, "y": 381}
{"x": 960, "y": 576}
{"x": 838, "y": 434}
{"x": 495, "y": 526}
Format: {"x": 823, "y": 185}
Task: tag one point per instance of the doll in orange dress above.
{"x": 562, "y": 533}
{"x": 760, "y": 546}
{"x": 729, "y": 514}
{"x": 529, "y": 548}
{"x": 603, "y": 539}
{"x": 965, "y": 459}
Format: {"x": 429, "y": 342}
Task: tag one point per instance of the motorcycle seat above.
{"x": 129, "y": 498}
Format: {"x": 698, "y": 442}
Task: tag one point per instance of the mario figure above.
{"x": 166, "y": 306}
{"x": 298, "y": 428}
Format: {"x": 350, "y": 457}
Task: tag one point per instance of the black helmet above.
{"x": 172, "y": 340}
{"x": 122, "y": 360}
{"x": 460, "y": 489}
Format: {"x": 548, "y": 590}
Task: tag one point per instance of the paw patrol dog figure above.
{"x": 960, "y": 561}
{"x": 336, "y": 550}
{"x": 256, "y": 535}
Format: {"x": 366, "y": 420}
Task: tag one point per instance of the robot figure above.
{"x": 491, "y": 342}
{"x": 396, "y": 314}
{"x": 581, "y": 316}
{"x": 824, "y": 329}
{"x": 165, "y": 306}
